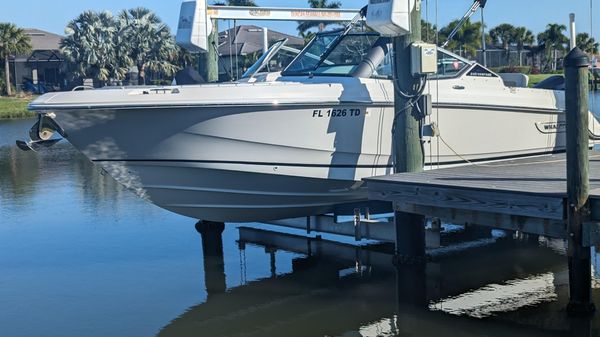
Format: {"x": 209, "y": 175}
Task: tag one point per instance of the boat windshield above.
{"x": 275, "y": 59}
{"x": 336, "y": 53}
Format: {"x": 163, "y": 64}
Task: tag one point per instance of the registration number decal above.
{"x": 337, "y": 113}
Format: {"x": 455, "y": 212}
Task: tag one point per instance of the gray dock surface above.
{"x": 524, "y": 194}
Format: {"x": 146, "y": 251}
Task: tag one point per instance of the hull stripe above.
{"x": 349, "y": 166}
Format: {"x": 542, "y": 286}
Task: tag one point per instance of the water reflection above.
{"x": 342, "y": 290}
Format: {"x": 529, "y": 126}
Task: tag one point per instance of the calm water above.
{"x": 81, "y": 257}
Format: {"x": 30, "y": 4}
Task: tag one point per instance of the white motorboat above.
{"x": 295, "y": 143}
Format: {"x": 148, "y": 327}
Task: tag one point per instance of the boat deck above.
{"x": 525, "y": 194}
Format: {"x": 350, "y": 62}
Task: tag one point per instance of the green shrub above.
{"x": 515, "y": 69}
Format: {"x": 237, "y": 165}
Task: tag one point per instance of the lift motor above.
{"x": 390, "y": 17}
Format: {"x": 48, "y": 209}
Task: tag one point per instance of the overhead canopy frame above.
{"x": 280, "y": 13}
{"x": 195, "y": 21}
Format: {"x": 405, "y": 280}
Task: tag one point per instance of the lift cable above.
{"x": 476, "y": 5}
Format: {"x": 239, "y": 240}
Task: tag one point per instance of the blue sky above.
{"x": 534, "y": 14}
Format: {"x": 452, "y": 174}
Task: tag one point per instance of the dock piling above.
{"x": 576, "y": 95}
{"x": 408, "y": 151}
{"x": 214, "y": 262}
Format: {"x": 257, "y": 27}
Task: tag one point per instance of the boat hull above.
{"x": 260, "y": 158}
{"x": 202, "y": 191}
{"x": 241, "y": 164}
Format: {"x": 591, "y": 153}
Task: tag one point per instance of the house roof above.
{"x": 45, "y": 47}
{"x": 42, "y": 40}
{"x": 248, "y": 39}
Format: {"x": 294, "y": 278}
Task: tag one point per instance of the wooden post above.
{"x": 577, "y": 117}
{"x": 214, "y": 263}
{"x": 208, "y": 63}
{"x": 408, "y": 152}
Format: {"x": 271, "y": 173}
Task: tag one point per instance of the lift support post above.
{"x": 408, "y": 153}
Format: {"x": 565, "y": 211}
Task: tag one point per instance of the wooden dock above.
{"x": 556, "y": 196}
{"x": 527, "y": 195}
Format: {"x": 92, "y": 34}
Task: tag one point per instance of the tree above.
{"x": 307, "y": 36}
{"x": 304, "y": 26}
{"x": 92, "y": 49}
{"x": 103, "y": 47}
{"x": 587, "y": 43}
{"x": 147, "y": 41}
{"x": 428, "y": 31}
{"x": 522, "y": 37}
{"x": 13, "y": 41}
{"x": 551, "y": 41}
{"x": 467, "y": 39}
{"x": 504, "y": 35}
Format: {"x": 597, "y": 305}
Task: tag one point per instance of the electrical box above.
{"x": 390, "y": 17}
{"x": 423, "y": 58}
{"x": 425, "y": 104}
{"x": 194, "y": 26}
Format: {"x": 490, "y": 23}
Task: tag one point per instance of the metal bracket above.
{"x": 357, "y": 223}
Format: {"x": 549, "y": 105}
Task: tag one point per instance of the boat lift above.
{"x": 195, "y": 21}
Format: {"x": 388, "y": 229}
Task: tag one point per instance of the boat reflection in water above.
{"x": 518, "y": 287}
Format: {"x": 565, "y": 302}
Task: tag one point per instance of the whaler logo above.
{"x": 551, "y": 127}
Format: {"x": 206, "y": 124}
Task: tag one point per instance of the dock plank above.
{"x": 520, "y": 194}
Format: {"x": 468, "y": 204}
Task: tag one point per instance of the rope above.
{"x": 230, "y": 47}
{"x": 591, "y": 36}
{"x": 437, "y": 82}
{"x": 503, "y": 165}
{"x": 237, "y": 61}
{"x": 429, "y": 85}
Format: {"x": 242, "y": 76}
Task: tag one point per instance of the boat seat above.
{"x": 515, "y": 80}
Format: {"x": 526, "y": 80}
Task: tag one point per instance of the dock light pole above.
{"x": 572, "y": 32}
{"x": 577, "y": 118}
{"x": 408, "y": 150}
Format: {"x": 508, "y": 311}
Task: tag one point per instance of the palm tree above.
{"x": 522, "y": 37}
{"x": 504, "y": 35}
{"x": 307, "y": 36}
{"x": 467, "y": 39}
{"x": 552, "y": 40}
{"x": 304, "y": 26}
{"x": 587, "y": 43}
{"x": 428, "y": 31}
{"x": 90, "y": 47}
{"x": 148, "y": 42}
{"x": 13, "y": 40}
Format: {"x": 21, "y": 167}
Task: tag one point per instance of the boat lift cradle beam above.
{"x": 197, "y": 19}
{"x": 280, "y": 13}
